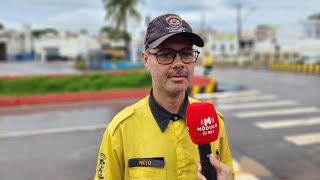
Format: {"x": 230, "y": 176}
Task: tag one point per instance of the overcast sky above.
{"x": 74, "y": 15}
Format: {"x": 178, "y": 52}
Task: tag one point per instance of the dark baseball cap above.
{"x": 165, "y": 26}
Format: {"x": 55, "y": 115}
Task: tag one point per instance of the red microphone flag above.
{"x": 202, "y": 123}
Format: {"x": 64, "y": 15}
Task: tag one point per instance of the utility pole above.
{"x": 239, "y": 24}
{"x": 148, "y": 19}
{"x": 203, "y": 22}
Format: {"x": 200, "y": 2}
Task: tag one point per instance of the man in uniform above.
{"x": 149, "y": 139}
{"x": 207, "y": 63}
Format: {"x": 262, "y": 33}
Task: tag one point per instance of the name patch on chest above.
{"x": 147, "y": 162}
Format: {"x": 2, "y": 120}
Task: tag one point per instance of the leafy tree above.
{"x": 40, "y": 32}
{"x": 315, "y": 16}
{"x": 1, "y": 26}
{"x": 118, "y": 11}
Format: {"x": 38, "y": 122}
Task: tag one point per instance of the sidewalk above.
{"x": 199, "y": 84}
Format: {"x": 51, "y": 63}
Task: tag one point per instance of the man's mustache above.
{"x": 177, "y": 72}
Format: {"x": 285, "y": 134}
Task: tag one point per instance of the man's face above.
{"x": 171, "y": 78}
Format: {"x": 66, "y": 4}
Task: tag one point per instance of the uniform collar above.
{"x": 162, "y": 116}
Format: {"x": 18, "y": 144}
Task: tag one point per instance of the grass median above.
{"x": 76, "y": 83}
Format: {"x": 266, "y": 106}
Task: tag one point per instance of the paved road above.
{"x": 61, "y": 142}
{"x": 274, "y": 131}
{"x": 53, "y": 142}
{"x": 36, "y": 67}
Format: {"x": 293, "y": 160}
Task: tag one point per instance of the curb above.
{"x": 198, "y": 85}
{"x": 72, "y": 97}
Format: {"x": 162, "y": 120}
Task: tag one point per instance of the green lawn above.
{"x": 76, "y": 83}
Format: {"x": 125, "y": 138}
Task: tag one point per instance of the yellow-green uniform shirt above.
{"x": 134, "y": 147}
{"x": 207, "y": 60}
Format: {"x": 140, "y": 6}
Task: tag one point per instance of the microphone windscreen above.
{"x": 202, "y": 123}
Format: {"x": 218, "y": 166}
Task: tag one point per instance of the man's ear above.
{"x": 145, "y": 59}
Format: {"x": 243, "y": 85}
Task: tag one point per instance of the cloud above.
{"x": 206, "y": 13}
{"x": 219, "y": 14}
{"x": 61, "y": 4}
{"x": 89, "y": 19}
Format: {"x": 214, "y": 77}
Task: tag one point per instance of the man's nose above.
{"x": 178, "y": 60}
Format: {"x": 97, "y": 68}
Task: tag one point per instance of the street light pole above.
{"x": 239, "y": 25}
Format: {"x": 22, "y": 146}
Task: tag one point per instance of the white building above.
{"x": 222, "y": 44}
{"x": 11, "y": 44}
{"x": 295, "y": 38}
{"x": 64, "y": 44}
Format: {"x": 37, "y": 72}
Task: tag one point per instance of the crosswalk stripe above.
{"x": 257, "y": 105}
{"x": 242, "y": 175}
{"x": 287, "y": 123}
{"x": 53, "y": 131}
{"x": 254, "y": 97}
{"x": 303, "y": 139}
{"x": 226, "y": 94}
{"x": 276, "y": 112}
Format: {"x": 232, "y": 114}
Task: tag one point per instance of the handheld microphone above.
{"x": 203, "y": 127}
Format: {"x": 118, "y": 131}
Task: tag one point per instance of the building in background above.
{"x": 22, "y": 45}
{"x": 265, "y": 33}
{"x": 11, "y": 44}
{"x": 288, "y": 41}
{"x": 65, "y": 45}
{"x": 312, "y": 29}
{"x": 222, "y": 44}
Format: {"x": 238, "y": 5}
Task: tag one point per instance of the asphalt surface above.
{"x": 36, "y": 67}
{"x": 62, "y": 141}
{"x": 53, "y": 142}
{"x": 265, "y": 152}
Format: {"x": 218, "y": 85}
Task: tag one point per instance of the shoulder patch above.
{"x": 122, "y": 115}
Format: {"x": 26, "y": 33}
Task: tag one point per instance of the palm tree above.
{"x": 118, "y": 11}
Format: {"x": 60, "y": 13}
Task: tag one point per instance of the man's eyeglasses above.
{"x": 167, "y": 55}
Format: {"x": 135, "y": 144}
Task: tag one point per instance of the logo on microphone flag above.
{"x": 208, "y": 126}
{"x": 207, "y": 121}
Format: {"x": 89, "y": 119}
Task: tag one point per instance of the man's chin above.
{"x": 178, "y": 88}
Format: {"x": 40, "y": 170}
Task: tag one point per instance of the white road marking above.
{"x": 303, "y": 139}
{"x": 53, "y": 131}
{"x": 240, "y": 175}
{"x": 276, "y": 112}
{"x": 225, "y": 94}
{"x": 253, "y": 97}
{"x": 257, "y": 105}
{"x": 288, "y": 123}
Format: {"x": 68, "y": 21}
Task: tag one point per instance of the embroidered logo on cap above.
{"x": 175, "y": 24}
{"x": 174, "y": 21}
